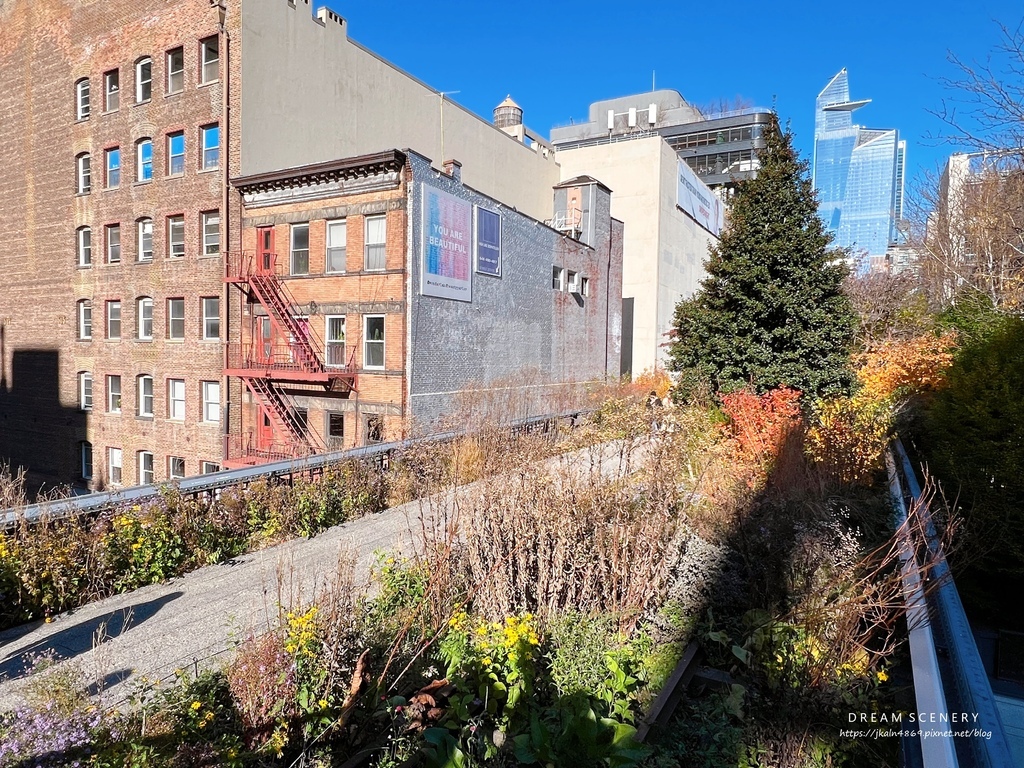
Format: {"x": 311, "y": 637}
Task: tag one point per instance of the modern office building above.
{"x": 859, "y": 175}
{"x": 121, "y": 130}
{"x": 670, "y": 167}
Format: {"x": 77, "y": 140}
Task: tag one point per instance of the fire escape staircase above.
{"x": 264, "y": 366}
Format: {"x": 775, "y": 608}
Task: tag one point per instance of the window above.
{"x": 145, "y": 468}
{"x": 144, "y": 158}
{"x": 211, "y": 318}
{"x": 206, "y": 467}
{"x": 85, "y": 452}
{"x": 112, "y": 90}
{"x": 114, "y": 394}
{"x": 375, "y": 429}
{"x": 209, "y": 60}
{"x": 85, "y": 391}
{"x": 113, "y": 167}
{"x": 335, "y": 340}
{"x": 376, "y": 233}
{"x": 210, "y": 135}
{"x": 83, "y": 241}
{"x": 175, "y": 318}
{"x": 300, "y": 249}
{"x": 301, "y": 418}
{"x": 336, "y": 425}
{"x": 82, "y": 99}
{"x": 211, "y": 402}
{"x": 144, "y": 319}
{"x": 584, "y": 286}
{"x": 176, "y": 399}
{"x": 85, "y": 319}
{"x": 573, "y": 282}
{"x": 113, "y": 236}
{"x": 337, "y": 236}
{"x": 175, "y": 70}
{"x": 373, "y": 341}
{"x": 114, "y": 464}
{"x": 143, "y": 80}
{"x": 175, "y": 154}
{"x": 145, "y": 393}
{"x": 175, "y": 236}
{"x": 211, "y": 233}
{"x": 557, "y": 278}
{"x": 175, "y": 467}
{"x": 144, "y": 233}
{"x": 113, "y": 319}
{"x": 83, "y": 174}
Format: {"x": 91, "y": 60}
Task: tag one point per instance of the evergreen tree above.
{"x": 771, "y": 311}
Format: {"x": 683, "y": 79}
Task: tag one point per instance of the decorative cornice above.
{"x": 334, "y": 171}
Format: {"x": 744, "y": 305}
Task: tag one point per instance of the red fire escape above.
{"x": 279, "y": 349}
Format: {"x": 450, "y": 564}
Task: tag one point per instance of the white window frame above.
{"x": 176, "y": 227}
{"x": 211, "y": 232}
{"x": 145, "y": 466}
{"x": 293, "y": 251}
{"x": 209, "y": 65}
{"x": 172, "y": 462}
{"x": 172, "y": 320}
{"x": 113, "y": 318}
{"x": 210, "y": 391}
{"x": 584, "y": 286}
{"x": 175, "y": 76}
{"x": 83, "y": 245}
{"x": 112, "y": 241}
{"x": 331, "y": 357}
{"x": 85, "y": 459}
{"x": 368, "y": 341}
{"x": 209, "y": 151}
{"x": 176, "y": 399}
{"x": 115, "y": 466}
{"x": 175, "y": 160}
{"x": 112, "y": 90}
{"x": 334, "y": 260}
{"x": 82, "y": 106}
{"x": 114, "y": 394}
{"x": 374, "y": 256}
{"x": 112, "y": 166}
{"x": 144, "y": 393}
{"x": 143, "y": 324}
{"x": 83, "y": 174}
{"x": 211, "y": 320}
{"x": 557, "y": 278}
{"x": 85, "y": 390}
{"x": 143, "y": 80}
{"x": 207, "y": 467}
{"x": 144, "y": 166}
{"x": 572, "y": 281}
{"x": 85, "y": 320}
{"x": 144, "y": 238}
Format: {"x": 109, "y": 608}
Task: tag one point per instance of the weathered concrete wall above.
{"x": 310, "y": 95}
{"x": 518, "y": 335}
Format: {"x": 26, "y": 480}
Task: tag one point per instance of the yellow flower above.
{"x": 323, "y": 703}
{"x": 487, "y": 662}
{"x": 196, "y": 705}
{"x": 882, "y": 676}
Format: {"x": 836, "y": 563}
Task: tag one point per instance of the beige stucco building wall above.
{"x": 310, "y": 94}
{"x": 663, "y": 248}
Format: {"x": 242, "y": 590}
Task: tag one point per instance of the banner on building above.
{"x": 699, "y": 202}
{"x": 447, "y": 239}
{"x": 488, "y": 242}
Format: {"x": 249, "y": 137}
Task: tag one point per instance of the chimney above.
{"x": 453, "y": 168}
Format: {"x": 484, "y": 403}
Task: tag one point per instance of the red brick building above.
{"x": 121, "y": 128}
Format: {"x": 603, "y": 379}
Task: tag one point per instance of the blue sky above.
{"x": 555, "y": 59}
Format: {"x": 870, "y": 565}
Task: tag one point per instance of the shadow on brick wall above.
{"x": 37, "y": 431}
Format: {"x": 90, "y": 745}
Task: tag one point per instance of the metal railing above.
{"x": 940, "y": 633}
{"x": 379, "y": 455}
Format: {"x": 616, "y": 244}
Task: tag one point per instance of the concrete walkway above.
{"x": 195, "y": 619}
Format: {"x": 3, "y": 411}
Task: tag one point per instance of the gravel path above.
{"x": 195, "y": 619}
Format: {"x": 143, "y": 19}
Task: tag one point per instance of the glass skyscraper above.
{"x": 858, "y": 173}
